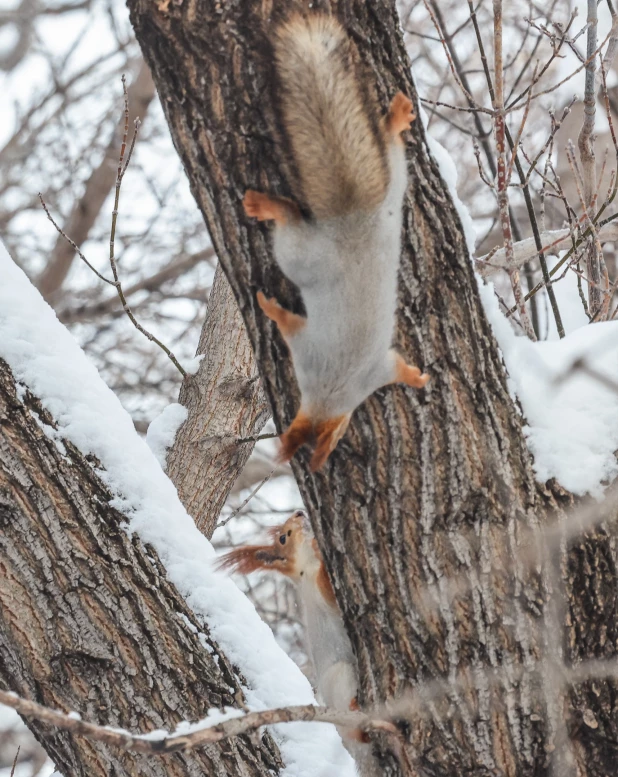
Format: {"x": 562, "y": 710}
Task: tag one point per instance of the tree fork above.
{"x": 426, "y": 487}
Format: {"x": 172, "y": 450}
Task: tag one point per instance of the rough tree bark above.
{"x": 426, "y": 486}
{"x": 88, "y": 620}
{"x": 225, "y": 402}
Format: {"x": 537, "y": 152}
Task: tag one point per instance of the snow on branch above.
{"x": 554, "y": 241}
{"x": 234, "y": 723}
{"x": 44, "y": 357}
{"x": 154, "y": 743}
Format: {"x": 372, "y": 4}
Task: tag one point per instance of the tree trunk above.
{"x": 88, "y": 620}
{"x": 427, "y": 489}
{"x": 225, "y": 402}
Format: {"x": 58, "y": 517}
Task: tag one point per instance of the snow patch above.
{"x": 572, "y": 417}
{"x": 192, "y": 366}
{"x": 162, "y": 430}
{"x": 44, "y": 356}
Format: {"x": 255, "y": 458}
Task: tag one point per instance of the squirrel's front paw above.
{"x": 400, "y": 115}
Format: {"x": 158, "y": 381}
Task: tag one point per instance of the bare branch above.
{"x": 100, "y": 183}
{"x": 502, "y": 179}
{"x": 181, "y": 743}
{"x": 112, "y": 259}
{"x": 75, "y": 246}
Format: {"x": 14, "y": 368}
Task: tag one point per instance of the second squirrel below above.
{"x": 345, "y": 259}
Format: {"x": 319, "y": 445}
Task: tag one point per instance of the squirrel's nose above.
{"x": 300, "y": 514}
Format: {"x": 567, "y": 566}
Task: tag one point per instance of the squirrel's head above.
{"x": 291, "y": 551}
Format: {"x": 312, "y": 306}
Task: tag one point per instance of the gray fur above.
{"x": 331, "y": 123}
{"x": 346, "y": 269}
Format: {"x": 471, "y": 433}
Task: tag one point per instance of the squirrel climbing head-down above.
{"x": 352, "y": 176}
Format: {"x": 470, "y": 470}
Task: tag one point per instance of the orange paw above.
{"x": 299, "y": 432}
{"x": 409, "y": 374}
{"x": 270, "y": 306}
{"x": 258, "y": 206}
{"x": 400, "y": 115}
{"x": 357, "y": 734}
{"x": 328, "y": 434}
{"x": 289, "y": 323}
{"x": 412, "y": 376}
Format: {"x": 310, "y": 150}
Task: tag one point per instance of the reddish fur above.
{"x": 408, "y": 374}
{"x": 289, "y": 323}
{"x": 324, "y": 586}
{"x": 253, "y": 557}
{"x": 400, "y": 115}
{"x": 328, "y": 433}
{"x": 264, "y": 208}
{"x": 274, "y": 557}
{"x": 299, "y": 432}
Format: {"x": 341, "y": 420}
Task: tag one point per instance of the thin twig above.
{"x": 502, "y": 180}
{"x": 471, "y": 101}
{"x": 248, "y": 499}
{"x": 585, "y": 142}
{"x": 513, "y": 221}
{"x": 112, "y": 258}
{"x": 455, "y": 107}
{"x": 74, "y": 245}
{"x": 513, "y": 103}
{"x": 15, "y": 762}
{"x": 257, "y": 438}
{"x": 515, "y": 143}
{"x": 555, "y": 127}
{"x": 553, "y": 88}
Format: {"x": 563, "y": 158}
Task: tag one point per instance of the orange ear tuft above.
{"x": 298, "y": 433}
{"x": 329, "y": 433}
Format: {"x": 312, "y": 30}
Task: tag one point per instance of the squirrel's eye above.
{"x": 282, "y": 539}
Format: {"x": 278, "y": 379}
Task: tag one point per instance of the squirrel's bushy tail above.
{"x": 331, "y": 123}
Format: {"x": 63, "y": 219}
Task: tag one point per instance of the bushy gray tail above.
{"x": 330, "y": 120}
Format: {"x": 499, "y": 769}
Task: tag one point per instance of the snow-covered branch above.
{"x": 554, "y": 241}
{"x": 159, "y": 745}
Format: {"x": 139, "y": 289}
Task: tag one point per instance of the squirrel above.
{"x": 293, "y": 552}
{"x": 344, "y": 257}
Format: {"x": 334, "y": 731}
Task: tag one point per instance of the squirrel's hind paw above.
{"x": 289, "y": 323}
{"x": 329, "y": 433}
{"x": 299, "y": 432}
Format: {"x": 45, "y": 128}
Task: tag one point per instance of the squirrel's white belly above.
{"x": 342, "y": 354}
{"x": 347, "y": 275}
